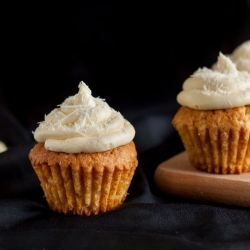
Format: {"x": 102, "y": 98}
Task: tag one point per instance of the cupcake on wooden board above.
{"x": 85, "y": 157}
{"x": 214, "y": 118}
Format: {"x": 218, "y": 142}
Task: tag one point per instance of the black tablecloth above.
{"x": 148, "y": 219}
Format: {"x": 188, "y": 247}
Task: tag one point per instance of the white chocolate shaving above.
{"x": 221, "y": 87}
{"x": 83, "y": 123}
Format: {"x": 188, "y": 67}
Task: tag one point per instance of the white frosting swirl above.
{"x": 83, "y": 123}
{"x": 241, "y": 56}
{"x": 221, "y": 87}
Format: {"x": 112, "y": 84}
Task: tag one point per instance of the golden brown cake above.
{"x": 85, "y": 183}
{"x": 214, "y": 118}
{"x": 217, "y": 141}
{"x": 85, "y": 157}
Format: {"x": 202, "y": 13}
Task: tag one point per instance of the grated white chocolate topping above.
{"x": 221, "y": 87}
{"x": 241, "y": 56}
{"x": 83, "y": 123}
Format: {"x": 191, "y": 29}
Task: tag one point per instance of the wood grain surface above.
{"x": 177, "y": 177}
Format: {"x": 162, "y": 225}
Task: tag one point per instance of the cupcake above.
{"x": 85, "y": 157}
{"x": 214, "y": 118}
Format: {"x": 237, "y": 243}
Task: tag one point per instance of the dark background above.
{"x": 136, "y": 56}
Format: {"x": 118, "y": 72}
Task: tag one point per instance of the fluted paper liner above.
{"x": 216, "y": 141}
{"x": 85, "y": 184}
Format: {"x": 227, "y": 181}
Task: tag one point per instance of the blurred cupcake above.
{"x": 214, "y": 118}
{"x": 241, "y": 56}
{"x": 85, "y": 157}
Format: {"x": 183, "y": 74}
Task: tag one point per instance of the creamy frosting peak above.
{"x": 221, "y": 87}
{"x": 83, "y": 123}
{"x": 241, "y": 56}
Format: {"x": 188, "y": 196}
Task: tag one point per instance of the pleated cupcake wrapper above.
{"x": 84, "y": 191}
{"x": 215, "y": 151}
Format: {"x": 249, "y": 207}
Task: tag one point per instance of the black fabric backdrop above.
{"x": 146, "y": 220}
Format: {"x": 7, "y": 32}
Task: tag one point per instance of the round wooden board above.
{"x": 177, "y": 177}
